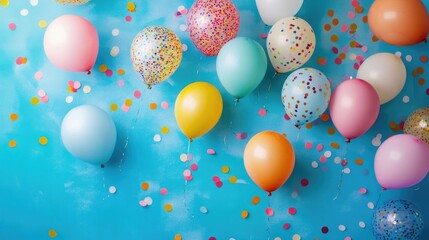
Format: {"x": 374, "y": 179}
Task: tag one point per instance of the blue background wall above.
{"x": 45, "y": 191}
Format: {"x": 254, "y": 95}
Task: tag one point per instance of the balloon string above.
{"x": 198, "y": 66}
{"x": 233, "y": 114}
{"x": 268, "y": 220}
{"x": 271, "y": 81}
{"x": 378, "y": 199}
{"x": 340, "y": 182}
{"x": 185, "y": 200}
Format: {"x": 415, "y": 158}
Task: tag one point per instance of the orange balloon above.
{"x": 269, "y": 160}
{"x": 399, "y": 22}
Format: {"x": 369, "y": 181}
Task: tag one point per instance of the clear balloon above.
{"x": 273, "y": 10}
{"x": 397, "y": 219}
{"x": 417, "y": 124}
{"x": 305, "y": 95}
{"x": 156, "y": 53}
{"x": 241, "y": 66}
{"x": 354, "y": 108}
{"x": 401, "y": 161}
{"x": 89, "y": 134}
{"x": 211, "y": 24}
{"x": 71, "y": 43}
{"x": 399, "y": 22}
{"x": 269, "y": 159}
{"x": 290, "y": 44}
{"x": 72, "y": 2}
{"x": 197, "y": 109}
{"x": 386, "y": 73}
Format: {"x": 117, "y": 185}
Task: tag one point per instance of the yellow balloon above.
{"x": 198, "y": 108}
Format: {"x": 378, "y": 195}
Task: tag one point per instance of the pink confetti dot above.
{"x": 18, "y": 60}
{"x": 184, "y": 11}
{"x": 164, "y": 105}
{"x": 216, "y": 179}
{"x": 359, "y": 58}
{"x": 355, "y": 3}
{"x": 12, "y": 26}
{"x": 121, "y": 83}
{"x": 347, "y": 238}
{"x": 308, "y": 145}
{"x": 363, "y": 191}
{"x": 211, "y": 151}
{"x": 292, "y": 211}
{"x": 142, "y": 203}
{"x": 38, "y": 75}
{"x": 304, "y": 182}
{"x": 137, "y": 94}
{"x": 262, "y": 112}
{"x": 319, "y": 147}
{"x": 163, "y": 191}
{"x": 109, "y": 72}
{"x": 70, "y": 83}
{"x": 269, "y": 212}
{"x": 351, "y": 14}
{"x": 344, "y": 27}
{"x": 356, "y": 66}
{"x": 364, "y": 49}
{"x": 194, "y": 167}
{"x": 286, "y": 117}
{"x": 322, "y": 61}
{"x": 345, "y": 49}
{"x": 286, "y": 226}
{"x": 128, "y": 18}
{"x": 189, "y": 178}
{"x": 189, "y": 157}
{"x": 219, "y": 184}
{"x": 212, "y": 238}
{"x": 322, "y": 159}
{"x": 263, "y": 35}
{"x": 241, "y": 136}
{"x": 125, "y": 108}
{"x": 45, "y": 99}
{"x": 76, "y": 85}
{"x": 41, "y": 93}
{"x": 187, "y": 173}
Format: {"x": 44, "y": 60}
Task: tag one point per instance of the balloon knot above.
{"x": 383, "y": 188}
{"x": 269, "y": 194}
{"x": 102, "y": 165}
{"x": 89, "y": 72}
{"x": 237, "y": 100}
{"x": 191, "y": 140}
{"x": 297, "y": 126}
{"x": 149, "y": 87}
{"x": 347, "y": 140}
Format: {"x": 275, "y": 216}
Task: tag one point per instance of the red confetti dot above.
{"x": 109, "y": 72}
{"x": 338, "y": 61}
{"x": 269, "y": 212}
{"x": 304, "y": 182}
{"x": 356, "y": 66}
{"x": 216, "y": 179}
{"x": 292, "y": 211}
{"x": 219, "y": 184}
{"x": 427, "y": 91}
{"x": 286, "y": 226}
{"x": 423, "y": 58}
{"x": 194, "y": 167}
{"x": 12, "y": 26}
{"x": 335, "y": 50}
{"x": 128, "y": 18}
{"x": 263, "y": 35}
{"x": 322, "y": 159}
{"x": 212, "y": 238}
{"x": 286, "y": 117}
{"x": 262, "y": 112}
{"x": 325, "y": 230}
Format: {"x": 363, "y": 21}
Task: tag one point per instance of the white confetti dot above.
{"x": 183, "y": 157}
{"x": 183, "y": 27}
{"x": 296, "y": 237}
{"x": 371, "y": 205}
{"x": 277, "y": 238}
{"x": 399, "y": 54}
{"x": 115, "y": 32}
{"x": 328, "y": 154}
{"x": 34, "y": 2}
{"x": 376, "y": 142}
{"x": 342, "y": 228}
{"x": 337, "y": 160}
{"x": 379, "y": 135}
{"x": 69, "y": 99}
{"x": 157, "y": 138}
{"x": 148, "y": 200}
{"x": 294, "y": 195}
{"x": 112, "y": 189}
{"x": 86, "y": 89}
{"x": 406, "y": 99}
{"x": 346, "y": 170}
{"x": 115, "y": 51}
{"x": 314, "y": 164}
{"x": 352, "y": 56}
{"x": 362, "y": 224}
{"x": 203, "y": 209}
{"x": 24, "y": 12}
{"x": 184, "y": 47}
{"x": 409, "y": 58}
{"x": 180, "y": 8}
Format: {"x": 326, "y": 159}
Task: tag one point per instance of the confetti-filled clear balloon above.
{"x": 156, "y": 53}
{"x": 211, "y": 24}
{"x": 305, "y": 95}
{"x": 397, "y": 219}
{"x": 290, "y": 44}
{"x": 417, "y": 124}
{"x": 72, "y": 2}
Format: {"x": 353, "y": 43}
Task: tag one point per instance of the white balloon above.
{"x": 290, "y": 44}
{"x": 386, "y": 73}
{"x": 89, "y": 134}
{"x": 273, "y": 10}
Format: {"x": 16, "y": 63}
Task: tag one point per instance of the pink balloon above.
{"x": 211, "y": 24}
{"x": 401, "y": 161}
{"x": 71, "y": 43}
{"x": 354, "y": 107}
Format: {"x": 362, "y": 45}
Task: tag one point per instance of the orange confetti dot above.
{"x": 131, "y": 7}
{"x": 353, "y": 44}
{"x": 244, "y": 214}
{"x": 353, "y": 26}
{"x": 335, "y": 21}
{"x": 153, "y": 106}
{"x": 128, "y": 102}
{"x": 414, "y": 72}
{"x": 24, "y": 60}
{"x": 342, "y": 56}
{"x": 52, "y": 233}
{"x": 421, "y": 81}
{"x": 330, "y": 12}
{"x": 225, "y": 169}
{"x": 121, "y": 71}
{"x": 365, "y": 19}
{"x": 325, "y": 117}
{"x": 423, "y": 58}
{"x": 233, "y": 179}
{"x": 34, "y": 100}
{"x": 359, "y": 9}
{"x": 359, "y": 161}
{"x": 43, "y": 140}
{"x": 12, "y": 143}
{"x": 331, "y": 131}
{"x": 145, "y": 186}
{"x": 256, "y": 200}
{"x": 114, "y": 107}
{"x": 335, "y": 145}
{"x": 334, "y": 38}
{"x": 168, "y": 207}
{"x": 327, "y": 27}
{"x": 103, "y": 68}
{"x": 308, "y": 125}
{"x": 13, "y": 116}
{"x": 420, "y": 70}
{"x": 177, "y": 237}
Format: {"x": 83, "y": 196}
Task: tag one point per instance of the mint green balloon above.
{"x": 241, "y": 65}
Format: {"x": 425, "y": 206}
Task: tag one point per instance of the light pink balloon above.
{"x": 401, "y": 161}
{"x": 354, "y": 107}
{"x": 71, "y": 43}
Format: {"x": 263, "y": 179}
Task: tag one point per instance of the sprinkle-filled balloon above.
{"x": 305, "y": 95}
{"x": 89, "y": 134}
{"x": 290, "y": 44}
{"x": 269, "y": 160}
{"x": 386, "y": 73}
{"x": 72, "y": 2}
{"x": 197, "y": 109}
{"x": 211, "y": 24}
{"x": 156, "y": 53}
{"x": 241, "y": 66}
{"x": 401, "y": 161}
{"x": 273, "y": 10}
{"x": 399, "y": 22}
{"x": 71, "y": 43}
{"x": 397, "y": 219}
{"x": 417, "y": 124}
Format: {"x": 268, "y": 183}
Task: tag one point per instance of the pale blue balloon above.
{"x": 305, "y": 95}
{"x": 89, "y": 134}
{"x": 241, "y": 65}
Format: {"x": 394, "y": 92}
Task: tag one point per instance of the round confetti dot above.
{"x": 370, "y": 205}
{"x": 142, "y": 203}
{"x": 165, "y": 130}
{"x": 406, "y": 99}
{"x": 362, "y": 224}
{"x": 347, "y": 171}
{"x": 42, "y": 23}
{"x": 12, "y": 143}
{"x": 262, "y": 112}
{"x": 34, "y": 2}
{"x": 13, "y": 116}
{"x": 157, "y": 138}
{"x": 211, "y": 151}
{"x": 86, "y": 89}
{"x": 69, "y": 99}
{"x": 244, "y": 214}
{"x": 233, "y": 179}
{"x": 314, "y": 164}
{"x": 327, "y": 27}
{"x": 296, "y": 237}
{"x": 408, "y": 58}
{"x": 194, "y": 167}
{"x": 269, "y": 212}
{"x": 203, "y": 210}
{"x": 128, "y": 18}
{"x": 38, "y": 75}
{"x": 4, "y": 3}
{"x": 363, "y": 191}
{"x": 225, "y": 169}
{"x": 212, "y": 238}
{"x": 304, "y": 182}
{"x": 277, "y": 238}
{"x": 187, "y": 173}
{"x": 114, "y": 51}
{"x": 41, "y": 93}
{"x": 292, "y": 211}
{"x": 177, "y": 237}
{"x": 256, "y": 200}
{"x": 145, "y": 186}
{"x": 113, "y": 107}
{"x": 109, "y": 72}
{"x": 121, "y": 71}
{"x": 52, "y": 233}
{"x": 125, "y": 108}
{"x": 183, "y": 27}
{"x": 115, "y": 32}
{"x": 337, "y": 160}
{"x": 219, "y": 184}
{"x": 286, "y": 226}
{"x": 184, "y": 47}
{"x": 103, "y": 68}
{"x": 12, "y": 26}
{"x": 137, "y": 94}
{"x": 347, "y": 238}
{"x": 359, "y": 161}
{"x": 331, "y": 131}
{"x": 163, "y": 191}
{"x": 168, "y": 207}
{"x": 43, "y": 140}
{"x": 24, "y": 12}
{"x": 308, "y": 145}
{"x": 334, "y": 38}
{"x": 322, "y": 159}
{"x": 325, "y": 229}
{"x": 342, "y": 228}
{"x": 153, "y": 106}
{"x": 128, "y": 102}
{"x": 327, "y": 154}
{"x": 148, "y": 200}
{"x": 183, "y": 157}
{"x": 112, "y": 189}
{"x": 164, "y": 105}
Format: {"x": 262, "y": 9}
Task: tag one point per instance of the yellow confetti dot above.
{"x": 131, "y": 7}
{"x": 128, "y": 102}
{"x": 233, "y": 179}
{"x": 177, "y": 237}
{"x": 244, "y": 214}
{"x": 335, "y": 145}
{"x": 4, "y": 3}
{"x": 225, "y": 169}
{"x": 359, "y": 161}
{"x": 165, "y": 130}
{"x": 42, "y": 24}
{"x": 114, "y": 107}
{"x": 24, "y": 60}
{"x": 168, "y": 207}
{"x": 256, "y": 200}
{"x": 334, "y": 38}
{"x": 153, "y": 106}
{"x": 335, "y": 21}
{"x": 103, "y": 68}
{"x": 331, "y": 131}
{"x": 43, "y": 140}
{"x": 13, "y": 116}
{"x": 353, "y": 26}
{"x": 121, "y": 71}
{"x": 52, "y": 233}
{"x": 34, "y": 100}
{"x": 342, "y": 56}
{"x": 145, "y": 186}
{"x": 12, "y": 143}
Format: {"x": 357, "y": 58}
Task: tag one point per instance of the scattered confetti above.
{"x": 52, "y": 233}
{"x": 112, "y": 189}
{"x": 168, "y": 207}
{"x": 203, "y": 210}
{"x": 244, "y": 214}
{"x": 269, "y": 212}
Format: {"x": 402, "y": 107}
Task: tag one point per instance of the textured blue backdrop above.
{"x": 45, "y": 191}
